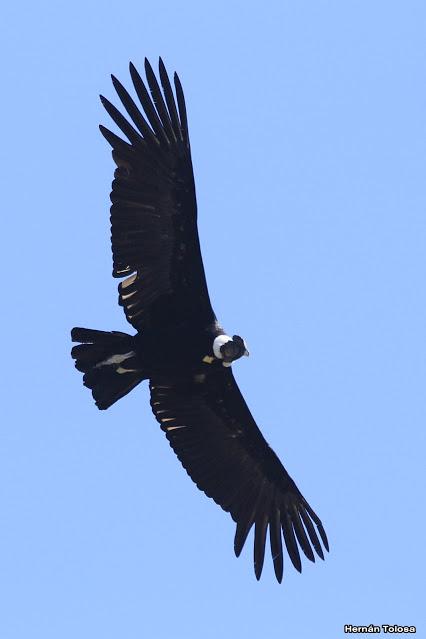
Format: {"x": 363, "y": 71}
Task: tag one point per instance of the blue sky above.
{"x": 307, "y": 123}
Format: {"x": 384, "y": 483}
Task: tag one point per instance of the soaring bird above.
{"x": 179, "y": 345}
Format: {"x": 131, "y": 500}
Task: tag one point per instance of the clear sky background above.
{"x": 307, "y": 123}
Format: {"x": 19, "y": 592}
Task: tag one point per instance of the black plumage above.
{"x": 179, "y": 346}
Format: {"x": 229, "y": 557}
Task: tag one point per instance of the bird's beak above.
{"x": 246, "y": 353}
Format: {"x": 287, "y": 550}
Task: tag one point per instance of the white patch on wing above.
{"x": 128, "y": 281}
{"x": 115, "y": 359}
{"x": 219, "y": 341}
{"x": 121, "y": 370}
{"x": 126, "y": 297}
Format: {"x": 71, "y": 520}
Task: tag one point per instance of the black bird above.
{"x": 180, "y": 347}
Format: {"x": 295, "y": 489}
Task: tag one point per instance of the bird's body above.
{"x": 182, "y": 349}
{"x": 179, "y": 346}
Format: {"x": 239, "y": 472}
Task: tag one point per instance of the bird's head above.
{"x": 228, "y": 349}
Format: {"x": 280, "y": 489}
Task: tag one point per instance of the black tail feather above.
{"x": 109, "y": 362}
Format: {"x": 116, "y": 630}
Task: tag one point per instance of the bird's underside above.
{"x": 179, "y": 345}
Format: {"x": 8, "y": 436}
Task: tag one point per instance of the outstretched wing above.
{"x": 154, "y": 233}
{"x": 211, "y": 430}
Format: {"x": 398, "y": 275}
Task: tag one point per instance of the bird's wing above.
{"x": 213, "y": 433}
{"x": 154, "y": 232}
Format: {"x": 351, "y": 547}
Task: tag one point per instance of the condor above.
{"x": 179, "y": 345}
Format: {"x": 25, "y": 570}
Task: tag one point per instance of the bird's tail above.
{"x": 109, "y": 362}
